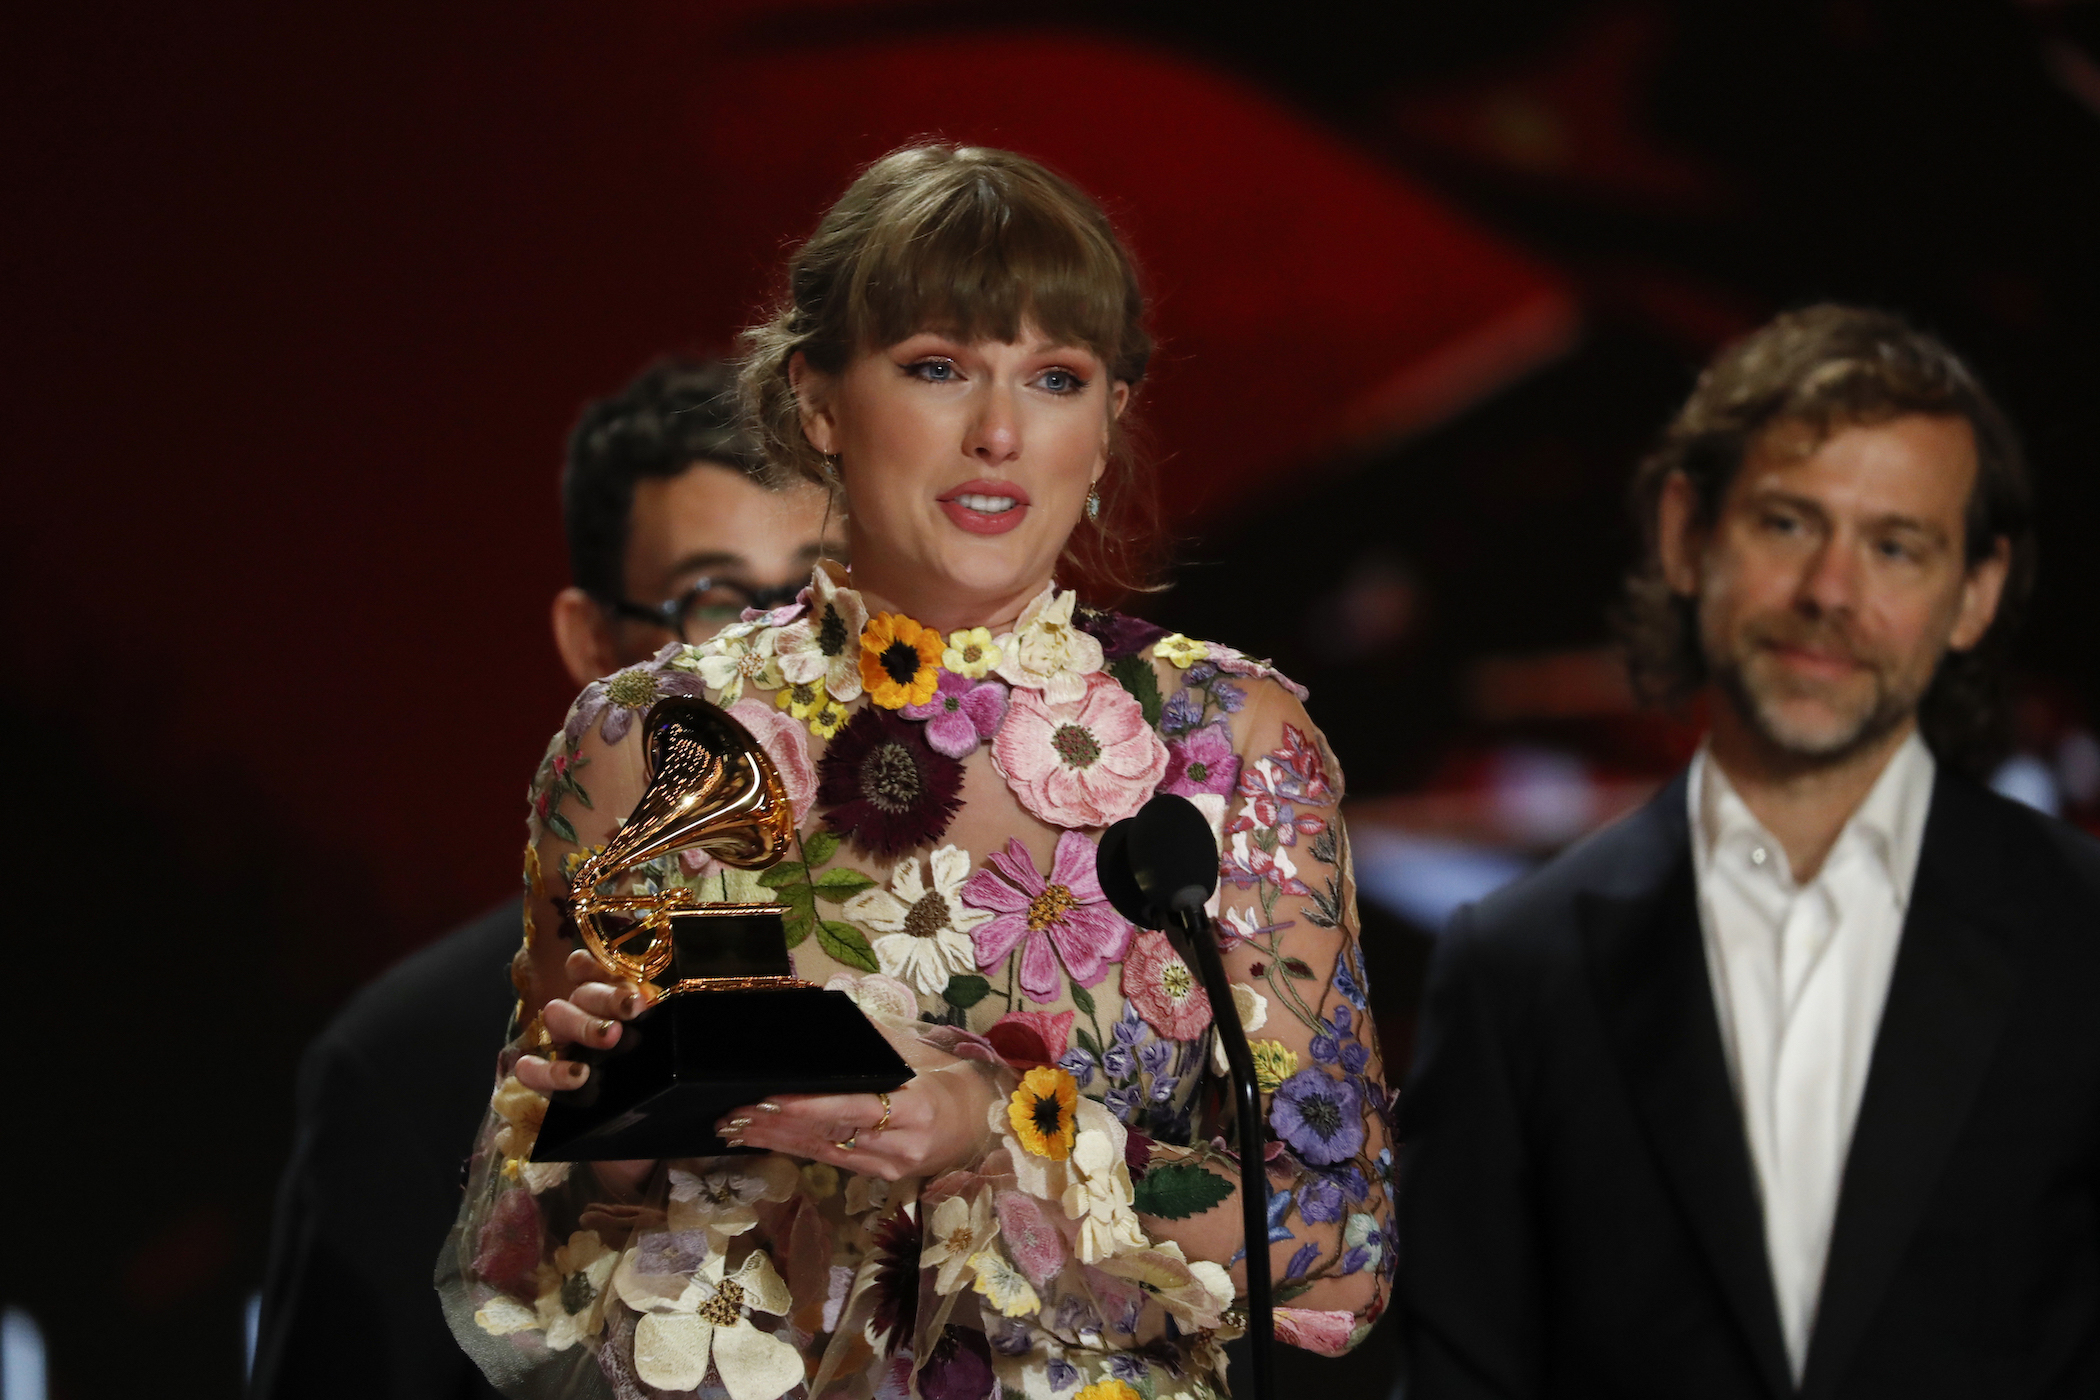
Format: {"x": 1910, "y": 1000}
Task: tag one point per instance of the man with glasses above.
{"x": 673, "y": 528}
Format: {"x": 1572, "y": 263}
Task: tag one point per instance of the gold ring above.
{"x": 847, "y": 1145}
{"x": 884, "y": 1121}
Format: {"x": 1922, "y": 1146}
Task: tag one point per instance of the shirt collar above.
{"x": 1889, "y": 823}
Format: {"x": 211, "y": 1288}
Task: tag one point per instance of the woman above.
{"x": 1048, "y": 1203}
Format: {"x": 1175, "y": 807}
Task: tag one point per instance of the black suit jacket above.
{"x": 390, "y": 1097}
{"x": 1579, "y": 1214}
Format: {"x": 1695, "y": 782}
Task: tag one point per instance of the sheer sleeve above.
{"x": 1287, "y": 918}
{"x": 524, "y": 1274}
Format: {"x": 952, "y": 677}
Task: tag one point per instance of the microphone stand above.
{"x": 1187, "y": 915}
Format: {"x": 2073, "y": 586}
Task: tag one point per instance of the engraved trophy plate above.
{"x": 728, "y": 1022}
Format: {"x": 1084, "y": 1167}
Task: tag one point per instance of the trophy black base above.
{"x": 692, "y": 1057}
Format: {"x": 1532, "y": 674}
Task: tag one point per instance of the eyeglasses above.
{"x": 706, "y": 604}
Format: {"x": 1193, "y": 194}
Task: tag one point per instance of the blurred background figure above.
{"x": 674, "y": 528}
{"x": 1782, "y": 1085}
{"x": 302, "y": 287}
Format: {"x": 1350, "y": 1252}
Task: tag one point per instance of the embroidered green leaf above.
{"x": 842, "y": 883}
{"x": 846, "y": 944}
{"x": 1083, "y": 999}
{"x": 1178, "y": 1191}
{"x": 559, "y": 825}
{"x": 966, "y": 990}
{"x": 1134, "y": 674}
{"x": 1298, "y": 968}
{"x": 1287, "y": 1291}
{"x": 1087, "y": 1041}
{"x": 799, "y": 915}
{"x": 788, "y": 872}
{"x": 819, "y": 847}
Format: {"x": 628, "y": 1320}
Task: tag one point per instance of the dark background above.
{"x": 301, "y": 302}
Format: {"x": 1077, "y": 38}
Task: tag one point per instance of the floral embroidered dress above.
{"x": 949, "y": 792}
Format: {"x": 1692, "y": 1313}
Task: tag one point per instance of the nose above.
{"x": 995, "y": 431}
{"x": 1830, "y": 583}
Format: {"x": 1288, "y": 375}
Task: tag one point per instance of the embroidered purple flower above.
{"x": 1182, "y": 712}
{"x": 1199, "y": 673}
{"x": 1320, "y": 1116}
{"x": 1063, "y": 917}
{"x": 1326, "y": 1194}
{"x": 959, "y": 1367}
{"x": 1119, "y": 636}
{"x": 1079, "y": 1064}
{"x": 614, "y": 703}
{"x": 1125, "y": 1367}
{"x": 1202, "y": 762}
{"x": 884, "y": 788}
{"x": 1301, "y": 1261}
{"x": 962, "y": 714}
{"x": 1230, "y": 697}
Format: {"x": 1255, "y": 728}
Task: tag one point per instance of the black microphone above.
{"x": 1158, "y": 869}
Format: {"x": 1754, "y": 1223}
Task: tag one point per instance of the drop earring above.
{"x": 1093, "y": 503}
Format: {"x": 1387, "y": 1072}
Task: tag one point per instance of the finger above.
{"x": 582, "y": 967}
{"x": 569, "y": 1024}
{"x": 545, "y": 1076}
{"x": 617, "y": 1001}
{"x": 850, "y": 1110}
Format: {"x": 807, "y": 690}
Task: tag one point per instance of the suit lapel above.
{"x": 1949, "y": 996}
{"x": 1648, "y": 966}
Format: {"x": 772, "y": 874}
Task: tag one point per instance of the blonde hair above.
{"x": 970, "y": 241}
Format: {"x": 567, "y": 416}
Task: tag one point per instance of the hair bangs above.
{"x": 984, "y": 257}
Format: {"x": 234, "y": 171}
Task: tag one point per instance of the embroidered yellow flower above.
{"x": 1044, "y": 1112}
{"x": 811, "y": 703}
{"x": 900, "y": 661}
{"x": 1004, "y": 1286}
{"x": 971, "y": 653}
{"x": 1274, "y": 1062}
{"x": 1180, "y": 650}
{"x": 1110, "y": 1389}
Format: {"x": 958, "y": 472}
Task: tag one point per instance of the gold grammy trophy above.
{"x": 728, "y": 1022}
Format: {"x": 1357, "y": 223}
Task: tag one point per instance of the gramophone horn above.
{"x": 711, "y": 788}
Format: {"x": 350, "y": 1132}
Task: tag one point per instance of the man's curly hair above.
{"x": 1831, "y": 367}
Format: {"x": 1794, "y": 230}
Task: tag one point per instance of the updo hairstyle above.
{"x": 968, "y": 241}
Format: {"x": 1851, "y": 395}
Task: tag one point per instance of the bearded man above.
{"x": 1789, "y": 1084}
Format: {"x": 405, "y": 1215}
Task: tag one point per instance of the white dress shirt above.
{"x": 1800, "y": 973}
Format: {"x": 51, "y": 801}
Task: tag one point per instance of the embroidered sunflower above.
{"x": 1044, "y": 1112}
{"x": 900, "y": 661}
{"x": 1110, "y": 1389}
{"x": 884, "y": 787}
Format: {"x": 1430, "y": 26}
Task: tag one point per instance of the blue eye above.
{"x": 1062, "y": 381}
{"x": 932, "y": 371}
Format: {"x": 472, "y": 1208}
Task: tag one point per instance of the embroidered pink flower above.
{"x": 1088, "y": 762}
{"x": 1238, "y": 663}
{"x": 1030, "y": 1039}
{"x": 1320, "y": 1330}
{"x": 1032, "y": 1237}
{"x": 962, "y": 714}
{"x": 1159, "y": 984}
{"x": 1202, "y": 762}
{"x": 1273, "y": 792}
{"x": 1064, "y": 917}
